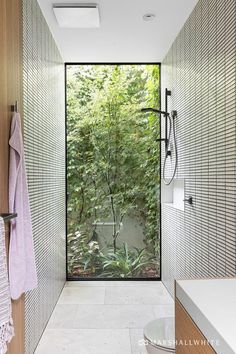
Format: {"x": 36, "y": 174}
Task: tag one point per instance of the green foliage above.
{"x": 84, "y": 257}
{"x": 124, "y": 263}
{"x": 112, "y": 157}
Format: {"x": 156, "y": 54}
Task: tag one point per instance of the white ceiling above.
{"x": 123, "y": 36}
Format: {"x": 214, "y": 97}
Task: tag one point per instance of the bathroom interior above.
{"x": 117, "y": 177}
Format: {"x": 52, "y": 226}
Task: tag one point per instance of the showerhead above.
{"x": 147, "y": 110}
{"x": 153, "y": 110}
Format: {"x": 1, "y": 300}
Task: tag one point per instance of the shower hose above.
{"x": 166, "y": 180}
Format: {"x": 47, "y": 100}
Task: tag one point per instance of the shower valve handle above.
{"x": 189, "y": 200}
{"x": 173, "y": 114}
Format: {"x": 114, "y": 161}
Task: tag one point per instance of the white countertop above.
{"x": 212, "y": 305}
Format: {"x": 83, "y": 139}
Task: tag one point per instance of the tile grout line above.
{"x": 105, "y": 296}
{"x": 131, "y": 348}
{"x": 116, "y": 304}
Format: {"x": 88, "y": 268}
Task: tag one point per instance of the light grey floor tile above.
{"x": 106, "y": 316}
{"x": 83, "y": 324}
{"x": 137, "y": 341}
{"x": 85, "y": 283}
{"x": 85, "y": 342}
{"x": 100, "y": 316}
{"x": 63, "y": 316}
{"x": 116, "y": 283}
{"x": 133, "y": 283}
{"x": 113, "y": 316}
{"x": 138, "y": 295}
{"x": 82, "y": 295}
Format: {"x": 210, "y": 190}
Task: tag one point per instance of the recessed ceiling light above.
{"x": 149, "y": 17}
{"x": 77, "y": 15}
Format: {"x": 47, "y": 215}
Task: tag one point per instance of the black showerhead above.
{"x": 146, "y": 110}
{"x": 153, "y": 110}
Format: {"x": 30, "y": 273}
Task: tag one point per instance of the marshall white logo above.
{"x": 193, "y": 343}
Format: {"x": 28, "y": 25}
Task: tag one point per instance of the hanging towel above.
{"x": 6, "y": 324}
{"x": 22, "y": 268}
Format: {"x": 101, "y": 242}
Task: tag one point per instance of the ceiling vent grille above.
{"x": 77, "y": 15}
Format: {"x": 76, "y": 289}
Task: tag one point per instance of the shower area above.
{"x": 113, "y": 171}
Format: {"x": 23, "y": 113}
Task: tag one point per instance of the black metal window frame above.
{"x": 69, "y": 278}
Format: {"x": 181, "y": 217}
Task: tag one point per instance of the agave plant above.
{"x": 124, "y": 263}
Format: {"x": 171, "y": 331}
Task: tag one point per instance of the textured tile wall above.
{"x": 200, "y": 69}
{"x": 44, "y": 136}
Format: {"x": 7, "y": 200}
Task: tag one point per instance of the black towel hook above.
{"x": 14, "y": 107}
{"x": 7, "y": 216}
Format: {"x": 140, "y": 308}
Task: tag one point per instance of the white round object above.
{"x": 160, "y": 336}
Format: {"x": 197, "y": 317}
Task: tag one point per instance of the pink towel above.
{"x": 22, "y": 268}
